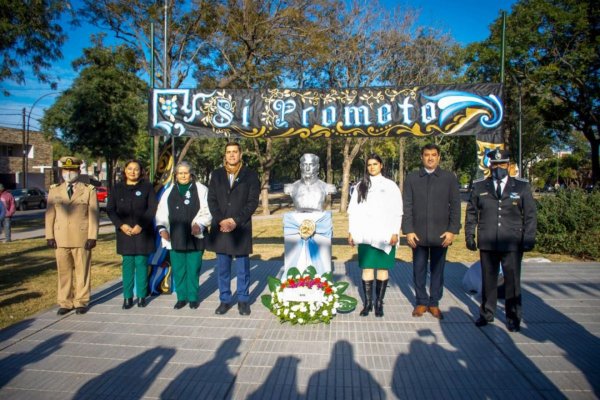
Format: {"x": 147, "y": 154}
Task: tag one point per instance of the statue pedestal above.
{"x": 307, "y": 240}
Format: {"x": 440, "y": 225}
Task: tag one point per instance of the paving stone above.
{"x": 158, "y": 352}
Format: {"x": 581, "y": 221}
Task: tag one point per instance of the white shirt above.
{"x": 375, "y": 220}
{"x": 503, "y": 183}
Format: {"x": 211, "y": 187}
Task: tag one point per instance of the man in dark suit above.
{"x": 430, "y": 221}
{"x": 233, "y": 194}
{"x": 502, "y": 210}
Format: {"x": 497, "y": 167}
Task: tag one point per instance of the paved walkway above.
{"x": 158, "y": 352}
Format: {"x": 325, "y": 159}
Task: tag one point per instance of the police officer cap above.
{"x": 69, "y": 162}
{"x": 499, "y": 156}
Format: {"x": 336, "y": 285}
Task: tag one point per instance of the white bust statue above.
{"x": 309, "y": 192}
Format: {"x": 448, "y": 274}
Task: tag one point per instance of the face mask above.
{"x": 70, "y": 176}
{"x": 499, "y": 173}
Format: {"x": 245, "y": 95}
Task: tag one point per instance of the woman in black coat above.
{"x": 131, "y": 208}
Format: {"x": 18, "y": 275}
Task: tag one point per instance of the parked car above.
{"x": 102, "y": 196}
{"x": 29, "y": 198}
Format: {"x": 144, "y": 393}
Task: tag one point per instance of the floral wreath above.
{"x": 307, "y": 297}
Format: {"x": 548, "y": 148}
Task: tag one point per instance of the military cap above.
{"x": 69, "y": 162}
{"x": 499, "y": 156}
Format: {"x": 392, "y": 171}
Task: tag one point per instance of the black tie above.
{"x": 499, "y": 189}
{"x": 70, "y": 190}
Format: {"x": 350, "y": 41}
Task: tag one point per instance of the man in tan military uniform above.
{"x": 72, "y": 229}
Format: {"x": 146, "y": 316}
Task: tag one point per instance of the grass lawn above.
{"x": 28, "y": 270}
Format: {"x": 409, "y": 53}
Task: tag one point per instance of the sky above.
{"x": 466, "y": 21}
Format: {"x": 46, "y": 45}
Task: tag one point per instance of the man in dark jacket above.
{"x": 431, "y": 219}
{"x": 233, "y": 194}
{"x": 503, "y": 211}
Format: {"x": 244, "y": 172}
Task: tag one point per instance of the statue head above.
{"x": 309, "y": 167}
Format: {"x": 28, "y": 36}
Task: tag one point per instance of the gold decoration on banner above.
{"x": 459, "y": 121}
{"x": 307, "y": 229}
{"x": 482, "y": 147}
{"x": 392, "y": 93}
{"x": 164, "y": 167}
{"x": 165, "y": 284}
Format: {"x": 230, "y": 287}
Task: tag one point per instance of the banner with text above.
{"x": 468, "y": 109}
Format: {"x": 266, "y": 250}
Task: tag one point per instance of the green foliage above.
{"x": 31, "y": 36}
{"x": 104, "y": 110}
{"x": 569, "y": 223}
{"x": 553, "y": 53}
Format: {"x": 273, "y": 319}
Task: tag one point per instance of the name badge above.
{"x": 515, "y": 195}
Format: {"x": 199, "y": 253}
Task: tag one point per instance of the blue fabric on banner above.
{"x": 291, "y": 229}
{"x": 313, "y": 250}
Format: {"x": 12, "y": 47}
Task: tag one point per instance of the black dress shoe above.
{"x": 194, "y": 304}
{"x": 513, "y": 326}
{"x": 482, "y": 322}
{"x": 180, "y": 304}
{"x": 141, "y": 302}
{"x": 81, "y": 310}
{"x": 127, "y": 304}
{"x": 244, "y": 308}
{"x": 63, "y": 311}
{"x": 223, "y": 308}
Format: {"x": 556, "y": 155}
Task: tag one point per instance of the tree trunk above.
{"x": 264, "y": 191}
{"x": 401, "y": 145}
{"x": 185, "y": 149}
{"x": 266, "y": 161}
{"x": 329, "y": 173}
{"x": 349, "y": 155}
{"x": 595, "y": 147}
{"x": 109, "y": 171}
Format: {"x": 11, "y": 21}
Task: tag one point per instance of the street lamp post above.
{"x": 26, "y": 141}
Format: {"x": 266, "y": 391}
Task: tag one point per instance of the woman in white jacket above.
{"x": 181, "y": 218}
{"x": 375, "y": 216}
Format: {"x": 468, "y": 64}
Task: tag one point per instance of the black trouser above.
{"x": 435, "y": 256}
{"x": 511, "y": 268}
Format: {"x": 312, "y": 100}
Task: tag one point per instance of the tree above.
{"x": 103, "y": 111}
{"x": 31, "y": 37}
{"x": 256, "y": 43}
{"x": 554, "y": 49}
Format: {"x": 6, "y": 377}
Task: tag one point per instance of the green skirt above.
{"x": 370, "y": 257}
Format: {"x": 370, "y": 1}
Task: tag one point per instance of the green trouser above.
{"x": 186, "y": 272}
{"x": 135, "y": 267}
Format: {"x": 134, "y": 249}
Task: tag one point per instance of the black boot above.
{"x": 127, "y": 304}
{"x": 380, "y": 287}
{"x": 368, "y": 292}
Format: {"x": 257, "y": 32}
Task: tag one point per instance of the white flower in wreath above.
{"x": 336, "y": 305}
{"x": 333, "y": 312}
{"x": 286, "y": 303}
{"x": 292, "y": 315}
{"x": 312, "y": 313}
{"x": 300, "y": 321}
{"x": 303, "y": 308}
{"x": 295, "y": 307}
{"x": 278, "y": 312}
{"x": 286, "y": 312}
{"x": 325, "y": 313}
